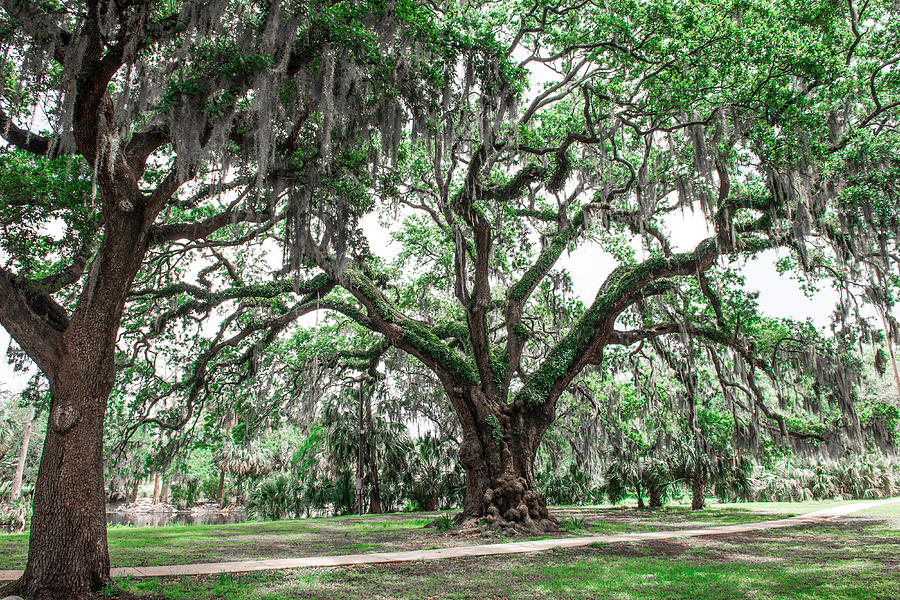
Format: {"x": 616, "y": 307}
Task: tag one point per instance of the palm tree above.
{"x": 720, "y": 466}
{"x": 243, "y": 461}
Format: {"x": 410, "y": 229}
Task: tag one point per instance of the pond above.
{"x": 155, "y": 519}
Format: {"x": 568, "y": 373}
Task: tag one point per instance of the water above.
{"x": 172, "y": 518}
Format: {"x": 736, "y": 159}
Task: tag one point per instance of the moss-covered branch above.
{"x": 625, "y": 285}
{"x": 408, "y": 334}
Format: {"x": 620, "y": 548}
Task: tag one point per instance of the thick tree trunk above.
{"x": 640, "y": 500}
{"x": 67, "y": 556}
{"x": 156, "y": 488}
{"x": 67, "y": 551}
{"x": 498, "y": 454}
{"x": 164, "y": 493}
{"x": 698, "y": 493}
{"x": 135, "y": 488}
{"x": 655, "y": 497}
{"x": 23, "y": 454}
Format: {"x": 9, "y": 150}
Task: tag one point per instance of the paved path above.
{"x": 480, "y": 550}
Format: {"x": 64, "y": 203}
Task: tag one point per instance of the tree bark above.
{"x": 23, "y": 454}
{"x": 164, "y": 493}
{"x": 67, "y": 552}
{"x": 375, "y": 504}
{"x": 498, "y": 453}
{"x": 67, "y": 556}
{"x": 220, "y": 494}
{"x": 655, "y": 497}
{"x": 698, "y": 492}
{"x": 135, "y": 488}
{"x": 156, "y": 488}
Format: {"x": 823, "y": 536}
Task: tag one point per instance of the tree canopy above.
{"x": 192, "y": 178}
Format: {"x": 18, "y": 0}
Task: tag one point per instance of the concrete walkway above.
{"x": 480, "y": 550}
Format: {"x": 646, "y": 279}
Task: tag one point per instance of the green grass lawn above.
{"x": 184, "y": 544}
{"x": 856, "y": 558}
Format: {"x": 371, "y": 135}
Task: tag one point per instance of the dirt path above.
{"x": 479, "y": 550}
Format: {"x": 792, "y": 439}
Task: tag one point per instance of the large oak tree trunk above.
{"x": 67, "y": 552}
{"x": 67, "y": 556}
{"x": 498, "y": 454}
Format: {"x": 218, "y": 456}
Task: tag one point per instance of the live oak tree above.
{"x": 762, "y": 119}
{"x": 148, "y": 123}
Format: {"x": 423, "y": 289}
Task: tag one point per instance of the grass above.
{"x": 185, "y": 544}
{"x": 891, "y": 513}
{"x": 852, "y": 559}
{"x": 788, "y": 508}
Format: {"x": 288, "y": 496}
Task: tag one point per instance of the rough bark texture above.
{"x": 498, "y": 455}
{"x": 135, "y": 488}
{"x": 655, "y": 497}
{"x": 23, "y": 454}
{"x": 67, "y": 555}
{"x": 156, "y": 488}
{"x": 698, "y": 493}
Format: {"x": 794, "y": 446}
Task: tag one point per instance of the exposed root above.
{"x": 477, "y": 525}
{"x": 511, "y": 504}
